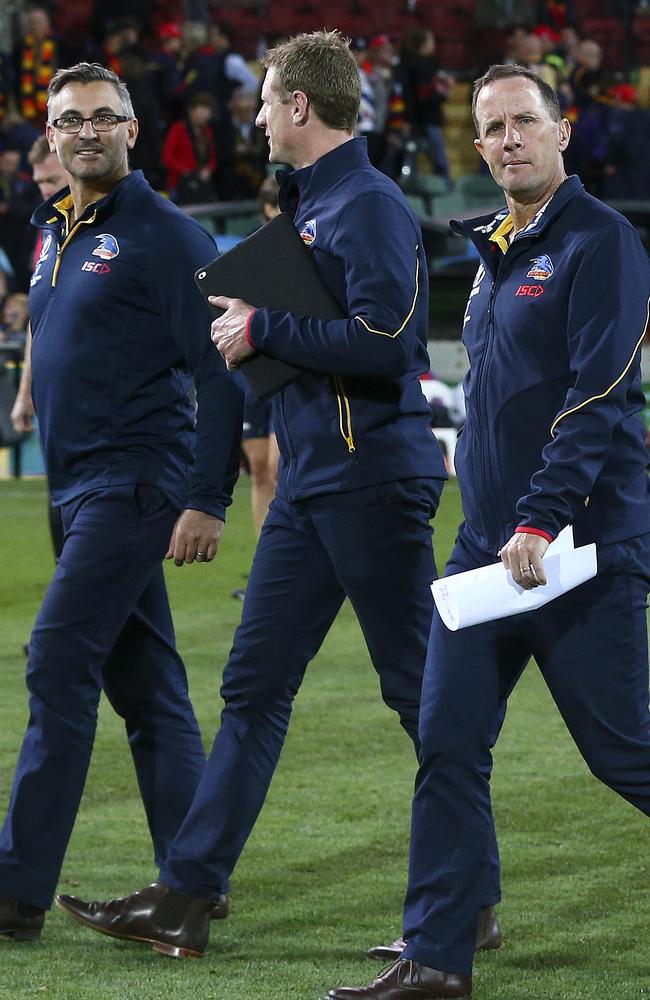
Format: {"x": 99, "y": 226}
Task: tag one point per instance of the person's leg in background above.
{"x": 260, "y": 448}
{"x": 262, "y": 457}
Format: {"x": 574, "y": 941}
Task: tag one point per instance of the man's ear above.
{"x": 49, "y": 135}
{"x": 301, "y": 107}
{"x": 565, "y": 133}
{"x": 132, "y": 133}
{"x": 478, "y": 146}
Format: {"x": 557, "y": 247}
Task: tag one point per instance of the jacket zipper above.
{"x": 482, "y": 395}
{"x": 59, "y": 250}
{"x": 345, "y": 416}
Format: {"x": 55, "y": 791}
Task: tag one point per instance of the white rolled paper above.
{"x": 488, "y": 593}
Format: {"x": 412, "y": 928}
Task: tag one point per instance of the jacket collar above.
{"x": 481, "y": 229}
{"x": 310, "y": 181}
{"x": 53, "y": 212}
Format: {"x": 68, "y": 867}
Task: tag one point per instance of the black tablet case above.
{"x": 271, "y": 268}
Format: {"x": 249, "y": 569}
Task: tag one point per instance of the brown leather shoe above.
{"x": 407, "y": 980}
{"x": 488, "y": 938}
{"x": 20, "y": 921}
{"x": 220, "y": 909}
{"x": 175, "y": 924}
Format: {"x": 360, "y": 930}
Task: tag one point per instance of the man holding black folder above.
{"x": 359, "y": 480}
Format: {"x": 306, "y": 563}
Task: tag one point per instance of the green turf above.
{"x": 323, "y": 874}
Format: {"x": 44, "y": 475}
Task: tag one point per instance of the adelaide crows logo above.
{"x": 308, "y": 232}
{"x": 542, "y": 267}
{"x": 108, "y": 247}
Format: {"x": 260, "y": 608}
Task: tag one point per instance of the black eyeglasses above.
{"x": 71, "y": 124}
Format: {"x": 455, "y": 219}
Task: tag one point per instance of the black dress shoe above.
{"x": 407, "y": 980}
{"x": 488, "y": 938}
{"x": 20, "y": 921}
{"x": 220, "y": 909}
{"x": 175, "y": 924}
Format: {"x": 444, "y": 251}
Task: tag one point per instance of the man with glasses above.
{"x": 118, "y": 329}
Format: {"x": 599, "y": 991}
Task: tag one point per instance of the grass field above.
{"x": 323, "y": 874}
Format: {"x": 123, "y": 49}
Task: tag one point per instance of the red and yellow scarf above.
{"x": 37, "y": 67}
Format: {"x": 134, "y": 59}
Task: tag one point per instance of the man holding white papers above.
{"x": 553, "y": 437}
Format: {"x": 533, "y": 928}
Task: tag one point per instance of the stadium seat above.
{"x": 479, "y": 189}
{"x": 427, "y": 187}
{"x": 417, "y": 203}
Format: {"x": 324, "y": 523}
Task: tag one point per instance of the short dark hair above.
{"x": 503, "y": 72}
{"x": 40, "y": 151}
{"x": 85, "y": 72}
{"x": 320, "y": 64}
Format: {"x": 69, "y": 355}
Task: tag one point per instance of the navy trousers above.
{"x": 104, "y": 624}
{"x": 591, "y": 647}
{"x": 373, "y": 545}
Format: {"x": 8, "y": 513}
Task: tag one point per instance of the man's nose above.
{"x": 512, "y": 137}
{"x": 87, "y": 130}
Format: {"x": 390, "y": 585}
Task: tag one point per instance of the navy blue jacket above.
{"x": 553, "y": 330}
{"x": 358, "y": 417}
{"x": 118, "y": 326}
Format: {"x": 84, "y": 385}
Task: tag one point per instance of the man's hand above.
{"x": 195, "y": 537}
{"x": 22, "y": 414}
{"x": 229, "y": 331}
{"x": 522, "y": 555}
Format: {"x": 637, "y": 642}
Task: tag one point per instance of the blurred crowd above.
{"x": 196, "y": 97}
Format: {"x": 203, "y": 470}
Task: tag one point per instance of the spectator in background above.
{"x": 568, "y": 49}
{"x": 242, "y": 150}
{"x": 376, "y": 72}
{"x": 37, "y": 58}
{"x": 166, "y": 55}
{"x": 627, "y": 130}
{"x": 124, "y": 53}
{"x": 198, "y": 64}
{"x": 551, "y": 55}
{"x": 233, "y": 72}
{"x": 18, "y": 133}
{"x": 47, "y": 172}
{"x": 50, "y": 177}
{"x": 532, "y": 57}
{"x": 425, "y": 88}
{"x": 189, "y": 153}
{"x": 120, "y": 34}
{"x": 103, "y": 13}
{"x": 587, "y": 153}
{"x": 586, "y": 80}
{"x": 15, "y": 317}
{"x": 16, "y": 204}
{"x": 515, "y": 35}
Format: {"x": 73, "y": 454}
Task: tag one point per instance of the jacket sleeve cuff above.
{"x": 526, "y": 529}
{"x": 212, "y": 506}
{"x": 248, "y": 335}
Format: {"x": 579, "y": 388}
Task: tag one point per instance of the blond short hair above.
{"x": 321, "y": 65}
